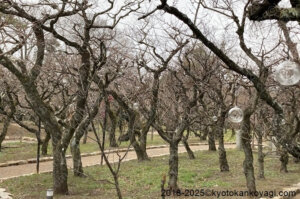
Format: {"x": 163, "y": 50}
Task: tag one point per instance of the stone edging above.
{"x": 4, "y": 194}
{"x": 45, "y": 159}
{"x": 17, "y": 138}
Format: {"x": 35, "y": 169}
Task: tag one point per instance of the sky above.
{"x": 217, "y": 27}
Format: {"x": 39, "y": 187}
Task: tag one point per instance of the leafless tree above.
{"x": 7, "y": 109}
{"x": 290, "y": 145}
{"x": 270, "y": 10}
{"x": 48, "y": 19}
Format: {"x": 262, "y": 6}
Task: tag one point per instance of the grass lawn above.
{"x": 142, "y": 179}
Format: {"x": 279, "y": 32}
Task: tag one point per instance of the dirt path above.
{"x": 29, "y": 169}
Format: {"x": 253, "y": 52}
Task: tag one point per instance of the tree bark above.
{"x": 112, "y": 131}
{"x": 268, "y": 10}
{"x": 139, "y": 147}
{"x": 284, "y": 159}
{"x": 246, "y": 144}
{"x": 85, "y": 137}
{"x": 9, "y": 115}
{"x": 222, "y": 152}
{"x": 143, "y": 145}
{"x": 211, "y": 141}
{"x": 80, "y": 131}
{"x": 45, "y": 144}
{"x": 4, "y": 130}
{"x": 112, "y": 137}
{"x": 76, "y": 155}
{"x": 186, "y": 144}
{"x": 141, "y": 154}
{"x": 120, "y": 124}
{"x": 60, "y": 170}
{"x": 113, "y": 126}
{"x": 261, "y": 156}
{"x": 173, "y": 165}
{"x": 203, "y": 136}
{"x": 188, "y": 149}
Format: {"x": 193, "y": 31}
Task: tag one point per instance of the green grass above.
{"x": 228, "y": 136}
{"x": 142, "y": 179}
{"x": 17, "y": 151}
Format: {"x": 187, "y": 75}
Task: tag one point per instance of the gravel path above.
{"x": 29, "y": 169}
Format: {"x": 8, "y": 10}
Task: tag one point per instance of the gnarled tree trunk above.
{"x": 45, "y": 144}
{"x": 186, "y": 145}
{"x": 79, "y": 132}
{"x": 188, "y": 149}
{"x": 246, "y": 144}
{"x": 76, "y": 155}
{"x": 60, "y": 170}
{"x": 173, "y": 165}
{"x": 261, "y": 156}
{"x": 211, "y": 141}
{"x": 284, "y": 159}
{"x": 203, "y": 136}
{"x": 112, "y": 130}
{"x": 143, "y": 145}
{"x": 4, "y": 130}
{"x": 222, "y": 152}
{"x": 85, "y": 137}
{"x": 140, "y": 152}
{"x": 112, "y": 136}
{"x": 9, "y": 115}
